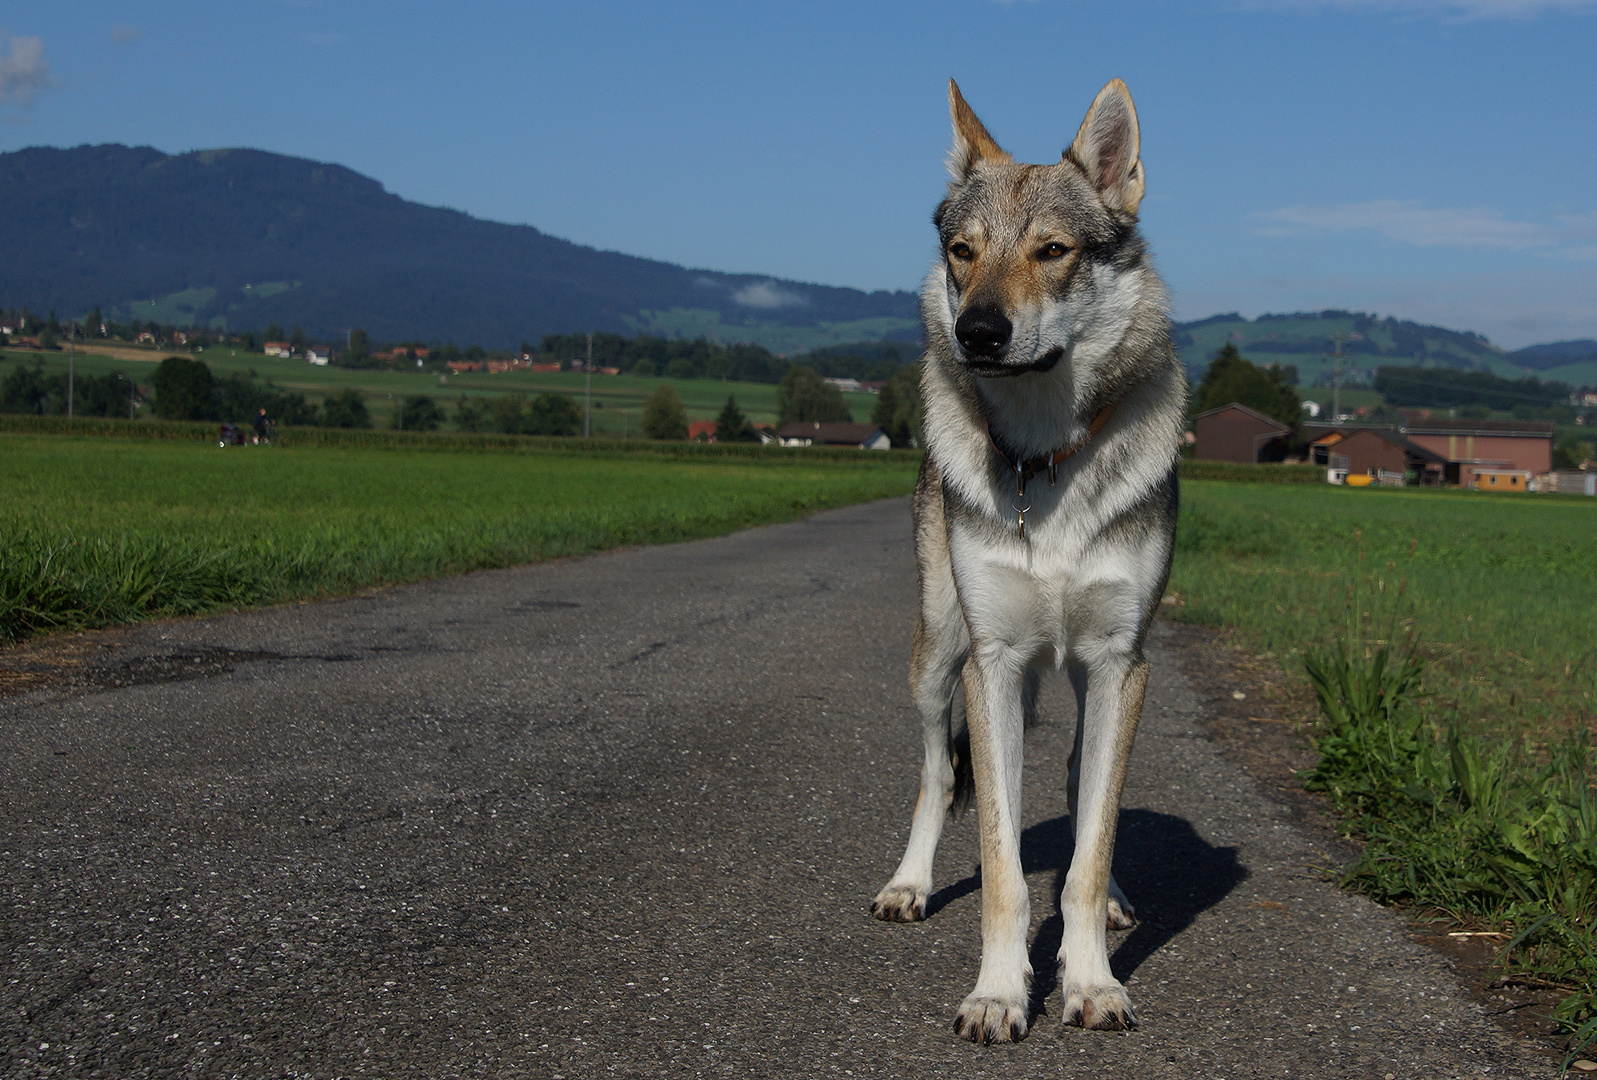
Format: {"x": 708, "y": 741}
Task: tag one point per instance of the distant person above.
{"x": 262, "y": 428}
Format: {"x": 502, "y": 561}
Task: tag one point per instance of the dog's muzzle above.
{"x": 983, "y": 335}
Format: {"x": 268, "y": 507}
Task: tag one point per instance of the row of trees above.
{"x": 29, "y": 390}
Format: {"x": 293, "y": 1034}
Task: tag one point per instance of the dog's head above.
{"x": 1027, "y": 250}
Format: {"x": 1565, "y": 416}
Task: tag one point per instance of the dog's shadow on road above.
{"x": 1168, "y": 872}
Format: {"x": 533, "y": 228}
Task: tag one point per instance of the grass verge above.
{"x": 1453, "y": 739}
{"x": 1501, "y": 834}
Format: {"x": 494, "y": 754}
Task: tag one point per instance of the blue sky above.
{"x": 1432, "y": 160}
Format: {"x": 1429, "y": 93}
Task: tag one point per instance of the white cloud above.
{"x": 125, "y": 34}
{"x": 1413, "y": 223}
{"x": 767, "y": 294}
{"x": 23, "y": 69}
{"x": 1445, "y": 9}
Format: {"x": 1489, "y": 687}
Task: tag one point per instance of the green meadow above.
{"x": 617, "y": 399}
{"x": 1500, "y": 590}
{"x": 106, "y": 530}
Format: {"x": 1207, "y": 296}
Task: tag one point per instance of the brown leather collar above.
{"x": 1029, "y": 467}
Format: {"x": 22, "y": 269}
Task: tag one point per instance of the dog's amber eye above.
{"x": 959, "y": 250}
{"x": 1054, "y": 250}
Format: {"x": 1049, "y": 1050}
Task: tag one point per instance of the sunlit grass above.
{"x": 99, "y": 531}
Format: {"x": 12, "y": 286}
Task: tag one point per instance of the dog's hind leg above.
{"x": 941, "y": 642}
{"x": 997, "y": 1009}
{"x": 1094, "y": 998}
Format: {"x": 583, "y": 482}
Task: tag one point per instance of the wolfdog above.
{"x": 1045, "y": 517}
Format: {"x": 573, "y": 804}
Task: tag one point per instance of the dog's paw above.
{"x": 1121, "y": 914}
{"x": 989, "y": 1020}
{"x": 1099, "y": 1008}
{"x": 900, "y": 903}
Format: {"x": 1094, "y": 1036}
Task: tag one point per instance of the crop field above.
{"x": 108, "y": 530}
{"x": 617, "y": 399}
{"x": 1500, "y": 590}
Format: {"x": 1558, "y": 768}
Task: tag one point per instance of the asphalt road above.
{"x": 624, "y": 816}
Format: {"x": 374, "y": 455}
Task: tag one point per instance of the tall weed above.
{"x": 1505, "y": 833}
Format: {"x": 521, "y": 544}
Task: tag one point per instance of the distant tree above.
{"x": 360, "y": 345}
{"x": 30, "y": 390}
{"x": 418, "y": 414}
{"x": 644, "y": 368}
{"x": 546, "y": 414}
{"x": 275, "y": 333}
{"x": 664, "y": 416}
{"x": 183, "y": 389}
{"x": 473, "y": 415}
{"x": 1230, "y": 377}
{"x": 732, "y": 425}
{"x": 552, "y": 414}
{"x": 92, "y": 322}
{"x": 297, "y": 340}
{"x": 47, "y": 338}
{"x": 680, "y": 368}
{"x": 346, "y": 410}
{"x": 898, "y": 407}
{"x": 802, "y": 396}
{"x": 1571, "y": 453}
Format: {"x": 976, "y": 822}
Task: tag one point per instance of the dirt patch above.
{"x": 54, "y": 660}
{"x": 95, "y": 660}
{"x": 1261, "y": 720}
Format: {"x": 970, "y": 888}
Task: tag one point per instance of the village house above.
{"x": 318, "y": 355}
{"x": 1380, "y": 453}
{"x": 281, "y": 349}
{"x": 812, "y": 433}
{"x": 701, "y": 430}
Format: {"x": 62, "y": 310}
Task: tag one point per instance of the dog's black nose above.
{"x": 983, "y": 331}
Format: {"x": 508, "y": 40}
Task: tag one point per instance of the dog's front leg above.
{"x": 1112, "y": 704}
{"x": 997, "y": 1010}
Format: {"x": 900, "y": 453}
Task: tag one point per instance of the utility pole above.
{"x": 587, "y": 392}
{"x": 71, "y": 370}
{"x": 1336, "y": 394}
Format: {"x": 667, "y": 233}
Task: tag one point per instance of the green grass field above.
{"x": 618, "y": 399}
{"x": 1501, "y": 589}
{"x": 107, "y": 530}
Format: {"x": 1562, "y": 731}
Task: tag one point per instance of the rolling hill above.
{"x": 244, "y": 238}
{"x": 1304, "y": 340}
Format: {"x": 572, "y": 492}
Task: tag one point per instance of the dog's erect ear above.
{"x": 972, "y": 144}
{"x": 1108, "y": 145}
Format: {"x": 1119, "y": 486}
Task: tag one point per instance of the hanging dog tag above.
{"x": 1021, "y": 504}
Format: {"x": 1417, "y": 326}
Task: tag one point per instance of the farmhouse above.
{"x": 810, "y": 433}
{"x": 701, "y": 430}
{"x": 1378, "y": 452}
{"x": 1476, "y": 447}
{"x": 318, "y": 355}
{"x": 281, "y": 349}
{"x": 1237, "y": 433}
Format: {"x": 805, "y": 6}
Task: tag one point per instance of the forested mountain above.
{"x": 247, "y": 238}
